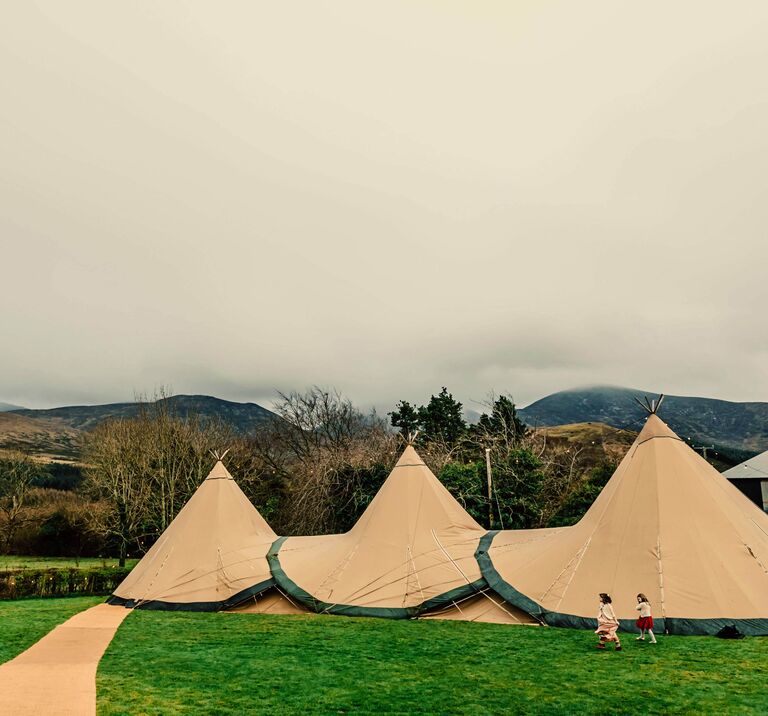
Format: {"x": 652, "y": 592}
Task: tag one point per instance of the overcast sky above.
{"x": 235, "y": 197}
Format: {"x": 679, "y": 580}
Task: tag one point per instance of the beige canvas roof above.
{"x": 413, "y": 545}
{"x": 486, "y": 607}
{"x": 211, "y": 556}
{"x": 270, "y": 602}
{"x": 667, "y": 524}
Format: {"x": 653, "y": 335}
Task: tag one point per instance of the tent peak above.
{"x": 410, "y": 457}
{"x": 219, "y": 472}
{"x": 651, "y": 406}
{"x": 655, "y": 427}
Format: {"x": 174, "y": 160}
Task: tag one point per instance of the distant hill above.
{"x": 56, "y": 433}
{"x": 5, "y": 407}
{"x": 242, "y": 416}
{"x": 43, "y": 436}
{"x": 599, "y": 443}
{"x": 738, "y": 429}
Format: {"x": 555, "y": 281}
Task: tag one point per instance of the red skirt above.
{"x": 645, "y": 623}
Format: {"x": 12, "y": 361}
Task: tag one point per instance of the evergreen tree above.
{"x": 503, "y": 421}
{"x": 405, "y": 417}
{"x": 442, "y": 419}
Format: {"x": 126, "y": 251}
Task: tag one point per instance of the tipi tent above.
{"x": 411, "y": 550}
{"x": 211, "y": 557}
{"x": 667, "y": 524}
{"x": 751, "y": 477}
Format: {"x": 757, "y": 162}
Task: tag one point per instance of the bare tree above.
{"x": 175, "y": 455}
{"x": 563, "y": 468}
{"x": 17, "y": 473}
{"x": 324, "y": 449}
{"x": 116, "y": 479}
{"x": 143, "y": 470}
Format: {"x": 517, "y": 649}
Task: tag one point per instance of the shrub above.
{"x": 15, "y": 584}
{"x": 581, "y": 497}
{"x": 59, "y": 476}
{"x": 56, "y": 526}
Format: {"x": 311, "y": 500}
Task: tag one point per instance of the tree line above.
{"x": 313, "y": 469}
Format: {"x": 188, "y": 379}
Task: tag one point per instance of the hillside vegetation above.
{"x": 43, "y": 436}
{"x": 598, "y": 442}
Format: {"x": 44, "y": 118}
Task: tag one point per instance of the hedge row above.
{"x": 15, "y": 584}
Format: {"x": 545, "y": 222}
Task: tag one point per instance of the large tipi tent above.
{"x": 667, "y": 524}
{"x": 411, "y": 550}
{"x": 211, "y": 557}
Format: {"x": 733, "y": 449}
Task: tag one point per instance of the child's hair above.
{"x": 605, "y": 597}
{"x": 643, "y": 598}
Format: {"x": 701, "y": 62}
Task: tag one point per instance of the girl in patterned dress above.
{"x": 607, "y": 623}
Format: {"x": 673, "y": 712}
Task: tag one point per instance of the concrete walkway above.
{"x": 57, "y": 675}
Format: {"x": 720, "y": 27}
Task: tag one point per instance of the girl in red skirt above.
{"x": 645, "y": 622}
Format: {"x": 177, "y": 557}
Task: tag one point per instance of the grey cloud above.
{"x": 228, "y": 200}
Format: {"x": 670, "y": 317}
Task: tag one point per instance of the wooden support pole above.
{"x": 490, "y": 486}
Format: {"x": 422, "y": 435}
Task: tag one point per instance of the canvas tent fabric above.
{"x": 667, "y": 524}
{"x": 485, "y": 607}
{"x": 410, "y": 551}
{"x": 273, "y": 601}
{"x": 211, "y": 557}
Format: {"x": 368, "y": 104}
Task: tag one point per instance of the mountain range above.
{"x": 56, "y": 431}
{"x": 243, "y": 416}
{"x": 737, "y": 430}
{"x": 741, "y": 428}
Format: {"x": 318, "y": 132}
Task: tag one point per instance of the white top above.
{"x": 645, "y": 609}
{"x": 606, "y": 613}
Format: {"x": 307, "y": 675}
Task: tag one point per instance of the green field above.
{"x": 193, "y": 663}
{"x": 11, "y": 562}
{"x": 24, "y": 621}
{"x": 187, "y": 663}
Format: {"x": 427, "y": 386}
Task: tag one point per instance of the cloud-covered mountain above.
{"x": 705, "y": 421}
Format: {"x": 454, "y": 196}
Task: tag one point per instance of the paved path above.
{"x": 57, "y": 675}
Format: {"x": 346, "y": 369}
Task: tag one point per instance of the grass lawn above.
{"x": 24, "y": 621}
{"x": 19, "y": 562}
{"x": 187, "y": 663}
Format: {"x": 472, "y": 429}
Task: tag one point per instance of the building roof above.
{"x": 754, "y": 468}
